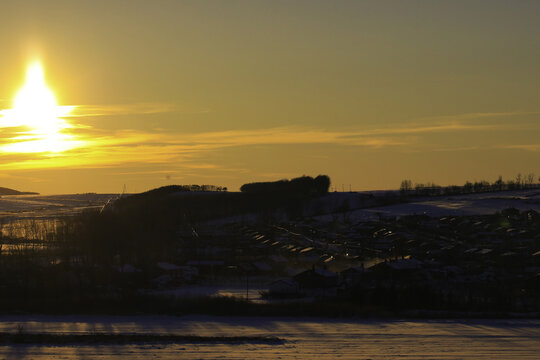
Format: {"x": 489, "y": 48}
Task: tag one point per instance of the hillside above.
{"x": 7, "y": 191}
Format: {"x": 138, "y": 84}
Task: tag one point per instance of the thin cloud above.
{"x": 290, "y": 135}
{"x": 145, "y": 172}
{"x": 464, "y": 148}
{"x": 422, "y": 129}
{"x": 105, "y": 149}
{"x": 527, "y": 147}
{"x": 129, "y": 146}
{"x": 132, "y": 109}
{"x": 479, "y": 115}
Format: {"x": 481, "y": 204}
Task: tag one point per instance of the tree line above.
{"x": 304, "y": 185}
{"x": 431, "y": 189}
{"x": 186, "y": 188}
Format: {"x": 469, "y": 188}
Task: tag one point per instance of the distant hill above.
{"x": 7, "y": 191}
{"x": 165, "y": 207}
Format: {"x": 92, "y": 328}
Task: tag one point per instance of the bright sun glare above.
{"x": 38, "y": 116}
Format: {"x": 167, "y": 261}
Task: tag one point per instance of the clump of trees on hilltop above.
{"x": 430, "y": 189}
{"x": 186, "y": 188}
{"x": 304, "y": 185}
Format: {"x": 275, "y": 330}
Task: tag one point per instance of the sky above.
{"x": 153, "y": 93}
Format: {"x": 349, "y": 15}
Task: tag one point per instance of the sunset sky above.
{"x": 152, "y": 93}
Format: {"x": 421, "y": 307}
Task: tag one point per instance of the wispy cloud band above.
{"x": 144, "y": 108}
{"x": 100, "y": 148}
{"x": 527, "y": 147}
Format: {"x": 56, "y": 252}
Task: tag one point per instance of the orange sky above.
{"x": 228, "y": 92}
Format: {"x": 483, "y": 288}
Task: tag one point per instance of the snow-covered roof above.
{"x": 330, "y": 259}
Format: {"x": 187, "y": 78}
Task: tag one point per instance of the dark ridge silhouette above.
{"x": 304, "y": 185}
{"x": 142, "y": 228}
{"x": 185, "y": 203}
{"x": 171, "y": 189}
{"x": 8, "y": 191}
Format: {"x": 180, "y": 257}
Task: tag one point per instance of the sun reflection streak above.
{"x": 40, "y": 119}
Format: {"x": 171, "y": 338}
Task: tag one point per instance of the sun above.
{"x": 39, "y": 117}
{"x": 35, "y": 104}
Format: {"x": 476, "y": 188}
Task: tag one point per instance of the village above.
{"x": 169, "y": 246}
{"x": 470, "y": 262}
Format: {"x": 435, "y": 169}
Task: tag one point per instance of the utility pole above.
{"x": 247, "y": 286}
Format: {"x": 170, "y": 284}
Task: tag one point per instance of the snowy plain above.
{"x": 439, "y": 206}
{"x": 50, "y": 206}
{"x": 305, "y": 338}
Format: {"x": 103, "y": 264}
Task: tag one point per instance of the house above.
{"x": 402, "y": 270}
{"x": 309, "y": 254}
{"x": 209, "y": 268}
{"x": 283, "y": 288}
{"x": 177, "y": 272}
{"x": 317, "y": 282}
{"x": 353, "y": 275}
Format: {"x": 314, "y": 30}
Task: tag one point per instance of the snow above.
{"x": 43, "y": 206}
{"x": 306, "y": 338}
{"x": 470, "y": 204}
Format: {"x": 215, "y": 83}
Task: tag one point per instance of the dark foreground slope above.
{"x": 133, "y": 255}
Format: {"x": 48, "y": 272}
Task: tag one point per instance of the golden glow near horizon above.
{"x": 38, "y": 117}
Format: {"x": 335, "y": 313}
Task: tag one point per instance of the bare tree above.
{"x": 499, "y": 184}
{"x": 519, "y": 180}
{"x": 406, "y": 185}
{"x": 530, "y": 179}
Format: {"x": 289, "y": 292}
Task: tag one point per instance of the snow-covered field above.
{"x": 305, "y": 338}
{"x": 42, "y": 206}
{"x": 459, "y": 205}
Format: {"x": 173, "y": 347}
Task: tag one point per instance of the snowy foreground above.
{"x": 305, "y": 338}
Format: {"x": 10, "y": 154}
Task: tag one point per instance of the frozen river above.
{"x": 305, "y": 338}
